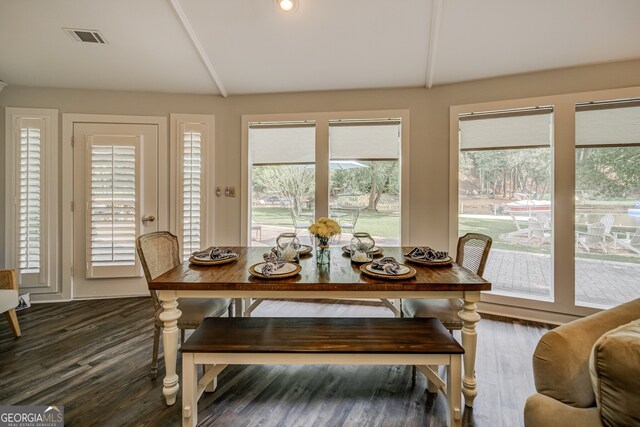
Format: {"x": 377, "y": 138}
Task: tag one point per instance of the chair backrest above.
{"x": 8, "y": 279}
{"x": 473, "y": 251}
{"x": 607, "y": 222}
{"x": 536, "y": 228}
{"x": 635, "y": 238}
{"x": 159, "y": 252}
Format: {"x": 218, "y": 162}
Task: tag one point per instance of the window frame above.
{"x": 562, "y": 308}
{"x": 321, "y": 120}
{"x": 46, "y": 281}
{"x": 178, "y": 122}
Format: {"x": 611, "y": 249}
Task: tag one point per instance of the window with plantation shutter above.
{"x": 191, "y": 165}
{"x": 113, "y": 208}
{"x": 191, "y": 188}
{"x": 31, "y": 176}
{"x": 30, "y": 192}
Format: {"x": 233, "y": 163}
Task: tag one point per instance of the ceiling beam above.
{"x": 434, "y": 33}
{"x": 177, "y": 7}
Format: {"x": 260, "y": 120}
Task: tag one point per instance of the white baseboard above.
{"x": 525, "y": 313}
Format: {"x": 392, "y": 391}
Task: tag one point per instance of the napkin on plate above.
{"x": 272, "y": 263}
{"x": 427, "y": 254}
{"x": 216, "y": 253}
{"x": 389, "y": 265}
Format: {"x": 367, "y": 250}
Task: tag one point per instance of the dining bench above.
{"x": 219, "y": 342}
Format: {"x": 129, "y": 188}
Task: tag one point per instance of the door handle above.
{"x": 148, "y": 218}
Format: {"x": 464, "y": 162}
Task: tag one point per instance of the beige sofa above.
{"x": 599, "y": 352}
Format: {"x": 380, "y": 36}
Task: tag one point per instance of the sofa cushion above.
{"x": 8, "y": 299}
{"x": 615, "y": 373}
{"x": 561, "y": 359}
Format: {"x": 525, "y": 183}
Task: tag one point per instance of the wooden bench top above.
{"x": 322, "y": 335}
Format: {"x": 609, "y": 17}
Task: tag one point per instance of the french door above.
{"x": 115, "y": 198}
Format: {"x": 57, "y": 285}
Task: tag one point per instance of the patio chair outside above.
{"x": 630, "y": 242}
{"x": 592, "y": 238}
{"x": 522, "y": 227}
{"x": 607, "y": 221}
{"x": 538, "y": 231}
{"x": 349, "y": 221}
{"x": 301, "y": 222}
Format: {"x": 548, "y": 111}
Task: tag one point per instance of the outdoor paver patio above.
{"x": 598, "y": 282}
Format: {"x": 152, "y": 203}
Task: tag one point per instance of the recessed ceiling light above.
{"x": 287, "y": 5}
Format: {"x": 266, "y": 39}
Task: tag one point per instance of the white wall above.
{"x": 429, "y": 162}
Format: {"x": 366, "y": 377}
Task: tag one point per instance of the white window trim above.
{"x": 563, "y": 181}
{"x": 177, "y": 122}
{"x": 49, "y": 277}
{"x": 322, "y": 161}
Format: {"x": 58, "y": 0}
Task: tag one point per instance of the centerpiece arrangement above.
{"x": 323, "y": 230}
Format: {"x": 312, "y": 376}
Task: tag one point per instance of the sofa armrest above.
{"x": 8, "y": 279}
{"x": 561, "y": 359}
{"x": 543, "y": 411}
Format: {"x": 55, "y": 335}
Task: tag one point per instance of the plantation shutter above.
{"x": 30, "y": 186}
{"x": 113, "y": 206}
{"x": 192, "y": 197}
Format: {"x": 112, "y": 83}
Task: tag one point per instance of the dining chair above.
{"x": 9, "y": 299}
{"x": 159, "y": 252}
{"x": 473, "y": 251}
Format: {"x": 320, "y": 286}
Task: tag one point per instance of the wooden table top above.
{"x": 341, "y": 275}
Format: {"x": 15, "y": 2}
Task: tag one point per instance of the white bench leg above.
{"x": 189, "y": 391}
{"x": 431, "y": 386}
{"x": 454, "y": 390}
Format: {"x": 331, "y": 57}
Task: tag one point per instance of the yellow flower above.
{"x": 324, "y": 227}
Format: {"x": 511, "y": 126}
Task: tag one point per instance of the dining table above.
{"x": 340, "y": 279}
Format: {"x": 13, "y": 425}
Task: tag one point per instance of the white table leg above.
{"x": 170, "y": 338}
{"x": 469, "y": 317}
{"x": 238, "y": 304}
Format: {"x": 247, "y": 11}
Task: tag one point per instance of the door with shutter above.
{"x": 115, "y": 201}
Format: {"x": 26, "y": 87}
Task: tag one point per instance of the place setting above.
{"x": 362, "y": 248}
{"x": 388, "y": 268}
{"x": 274, "y": 267}
{"x": 213, "y": 256}
{"x": 429, "y": 257}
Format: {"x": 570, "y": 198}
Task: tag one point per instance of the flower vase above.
{"x": 323, "y": 253}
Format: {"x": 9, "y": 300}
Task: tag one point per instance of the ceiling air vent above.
{"x": 85, "y": 36}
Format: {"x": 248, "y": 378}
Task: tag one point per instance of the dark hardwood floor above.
{"x": 93, "y": 358}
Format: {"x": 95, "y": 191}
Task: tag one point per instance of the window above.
{"x": 31, "y": 176}
{"x": 282, "y": 180}
{"x": 364, "y": 173}
{"x": 114, "y": 209}
{"x": 347, "y": 166}
{"x": 607, "y": 209}
{"x": 505, "y": 191}
{"x": 193, "y": 146}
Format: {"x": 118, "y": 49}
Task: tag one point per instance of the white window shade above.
{"x": 113, "y": 208}
{"x": 364, "y": 141}
{"x": 30, "y": 192}
{"x": 598, "y": 126}
{"x": 191, "y": 187}
{"x": 506, "y": 130}
{"x": 282, "y": 144}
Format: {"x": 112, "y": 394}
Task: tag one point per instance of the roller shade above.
{"x": 600, "y": 125}
{"x": 291, "y": 144}
{"x": 517, "y": 129}
{"x": 370, "y": 141}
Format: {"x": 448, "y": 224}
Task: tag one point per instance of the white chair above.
{"x": 522, "y": 227}
{"x": 592, "y": 238}
{"x": 630, "y": 242}
{"x": 607, "y": 221}
{"x": 538, "y": 231}
{"x": 301, "y": 222}
{"x": 9, "y": 299}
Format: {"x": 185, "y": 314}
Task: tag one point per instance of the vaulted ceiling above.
{"x": 249, "y": 46}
